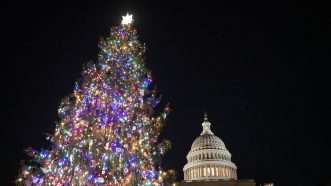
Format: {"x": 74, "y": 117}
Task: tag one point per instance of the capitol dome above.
{"x": 208, "y": 158}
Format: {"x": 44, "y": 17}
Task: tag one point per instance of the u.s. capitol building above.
{"x": 209, "y": 162}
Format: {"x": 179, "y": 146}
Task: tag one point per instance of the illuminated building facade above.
{"x": 209, "y": 162}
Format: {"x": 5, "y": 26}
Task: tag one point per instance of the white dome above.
{"x": 207, "y": 141}
{"x": 208, "y": 158}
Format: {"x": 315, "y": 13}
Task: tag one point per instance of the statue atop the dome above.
{"x": 205, "y": 116}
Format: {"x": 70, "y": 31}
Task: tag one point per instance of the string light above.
{"x": 107, "y": 133}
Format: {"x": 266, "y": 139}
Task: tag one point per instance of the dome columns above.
{"x": 210, "y": 172}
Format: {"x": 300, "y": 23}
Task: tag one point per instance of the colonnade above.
{"x": 209, "y": 171}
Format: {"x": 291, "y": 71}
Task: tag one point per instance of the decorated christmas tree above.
{"x": 107, "y": 131}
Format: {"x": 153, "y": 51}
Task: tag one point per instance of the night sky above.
{"x": 259, "y": 68}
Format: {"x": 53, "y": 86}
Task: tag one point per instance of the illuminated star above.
{"x": 127, "y": 19}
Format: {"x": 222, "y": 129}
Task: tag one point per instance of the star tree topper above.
{"x": 127, "y": 19}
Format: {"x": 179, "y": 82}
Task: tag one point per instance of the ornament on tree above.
{"x": 107, "y": 133}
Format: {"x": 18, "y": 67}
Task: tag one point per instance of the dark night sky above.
{"x": 259, "y": 68}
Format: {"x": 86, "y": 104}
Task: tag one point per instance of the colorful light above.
{"x": 107, "y": 132}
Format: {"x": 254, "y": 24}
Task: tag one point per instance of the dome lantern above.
{"x": 206, "y": 126}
